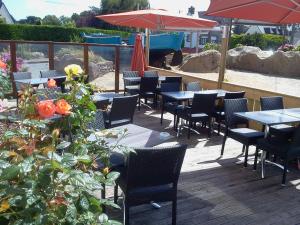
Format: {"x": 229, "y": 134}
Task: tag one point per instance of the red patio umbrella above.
{"x": 138, "y": 58}
{"x": 157, "y": 19}
{"x": 272, "y": 11}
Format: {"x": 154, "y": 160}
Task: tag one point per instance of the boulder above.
{"x": 253, "y": 59}
{"x": 204, "y": 62}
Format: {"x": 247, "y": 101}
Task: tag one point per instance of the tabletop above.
{"x": 269, "y": 117}
{"x": 294, "y": 112}
{"x": 98, "y": 97}
{"x": 33, "y": 81}
{"x": 186, "y": 95}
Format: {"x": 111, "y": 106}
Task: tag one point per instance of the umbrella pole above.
{"x": 147, "y": 53}
{"x": 224, "y": 48}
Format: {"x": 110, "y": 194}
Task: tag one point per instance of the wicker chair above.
{"x": 286, "y": 150}
{"x": 175, "y": 79}
{"x": 20, "y": 76}
{"x": 122, "y": 111}
{"x": 219, "y": 112}
{"x": 201, "y": 110}
{"x": 151, "y": 174}
{"x": 151, "y": 73}
{"x": 193, "y": 86}
{"x": 130, "y": 86}
{"x": 246, "y": 136}
{"x": 48, "y": 73}
{"x": 283, "y": 131}
{"x": 148, "y": 89}
{"x": 168, "y": 104}
{"x": 98, "y": 122}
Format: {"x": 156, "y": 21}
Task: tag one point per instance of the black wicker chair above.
{"x": 286, "y": 150}
{"x": 151, "y": 174}
{"x": 131, "y": 87}
{"x": 20, "y": 76}
{"x": 122, "y": 111}
{"x": 283, "y": 131}
{"x": 244, "y": 135}
{"x": 193, "y": 86}
{"x": 176, "y": 79}
{"x": 219, "y": 112}
{"x": 98, "y": 122}
{"x": 168, "y": 104}
{"x": 148, "y": 89}
{"x": 201, "y": 110}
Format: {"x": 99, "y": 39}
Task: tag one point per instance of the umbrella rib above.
{"x": 289, "y": 13}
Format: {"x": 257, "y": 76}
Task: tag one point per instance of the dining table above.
{"x": 270, "y": 118}
{"x": 138, "y": 79}
{"x": 187, "y": 95}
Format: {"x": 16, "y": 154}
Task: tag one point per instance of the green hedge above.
{"x": 263, "y": 41}
{"x": 48, "y": 33}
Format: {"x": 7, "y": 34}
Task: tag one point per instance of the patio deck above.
{"x": 215, "y": 191}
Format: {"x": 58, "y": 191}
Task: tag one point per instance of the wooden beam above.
{"x": 224, "y": 48}
{"x": 147, "y": 47}
{"x": 117, "y": 69}
{"x": 51, "y": 55}
{"x": 13, "y": 68}
{"x": 86, "y": 59}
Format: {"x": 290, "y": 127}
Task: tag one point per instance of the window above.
{"x": 203, "y": 40}
{"x": 188, "y": 37}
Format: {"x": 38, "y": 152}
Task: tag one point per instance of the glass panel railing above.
{"x": 65, "y": 55}
{"x": 125, "y": 62}
{"x": 102, "y": 67}
{"x": 32, "y": 58}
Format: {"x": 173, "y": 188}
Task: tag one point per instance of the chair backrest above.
{"x": 271, "y": 103}
{"x": 20, "y": 76}
{"x": 169, "y": 87}
{"x": 148, "y": 84}
{"x": 296, "y": 138}
{"x": 204, "y": 103}
{"x": 176, "y": 79}
{"x": 233, "y": 106}
{"x": 149, "y": 167}
{"x": 151, "y": 73}
{"x": 234, "y": 95}
{"x": 123, "y": 108}
{"x": 98, "y": 122}
{"x": 193, "y": 86}
{"x": 129, "y": 74}
{"x": 48, "y": 73}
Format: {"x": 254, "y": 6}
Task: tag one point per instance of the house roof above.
{"x": 5, "y": 13}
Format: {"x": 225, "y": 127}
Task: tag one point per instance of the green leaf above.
{"x": 84, "y": 159}
{"x": 69, "y": 160}
{"x": 63, "y": 145}
{"x": 27, "y": 164}
{"x": 10, "y": 173}
{"x": 84, "y": 203}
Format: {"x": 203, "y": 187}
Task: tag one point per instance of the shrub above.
{"x": 263, "y": 41}
{"x": 48, "y": 33}
{"x": 211, "y": 46}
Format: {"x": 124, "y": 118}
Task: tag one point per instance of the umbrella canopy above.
{"x": 156, "y": 19}
{"x": 138, "y": 58}
{"x": 273, "y": 11}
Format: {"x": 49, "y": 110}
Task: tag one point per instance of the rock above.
{"x": 37, "y": 55}
{"x": 95, "y": 69}
{"x": 204, "y": 62}
{"x": 255, "y": 60}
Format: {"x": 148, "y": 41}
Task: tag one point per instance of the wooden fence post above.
{"x": 117, "y": 69}
{"x": 13, "y": 58}
{"x": 86, "y": 59}
{"x": 51, "y": 55}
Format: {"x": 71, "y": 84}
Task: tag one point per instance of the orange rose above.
{"x": 63, "y": 107}
{"x": 51, "y": 83}
{"x": 46, "y": 108}
{"x": 3, "y": 65}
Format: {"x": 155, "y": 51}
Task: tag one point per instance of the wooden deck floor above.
{"x": 215, "y": 191}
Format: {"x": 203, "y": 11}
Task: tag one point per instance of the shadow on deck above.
{"x": 215, "y": 190}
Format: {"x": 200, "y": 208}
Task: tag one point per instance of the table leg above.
{"x": 263, "y": 154}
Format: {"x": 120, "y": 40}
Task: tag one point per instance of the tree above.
{"x": 31, "y": 20}
{"x": 191, "y": 11}
{"x": 114, "y": 6}
{"x": 51, "y": 20}
{"x": 67, "y": 21}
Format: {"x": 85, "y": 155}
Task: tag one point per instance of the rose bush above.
{"x": 46, "y": 179}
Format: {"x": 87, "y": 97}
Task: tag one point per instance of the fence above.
{"x": 101, "y": 62}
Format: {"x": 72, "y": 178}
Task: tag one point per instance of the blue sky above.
{"x": 22, "y": 8}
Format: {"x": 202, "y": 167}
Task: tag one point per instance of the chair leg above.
{"x": 161, "y": 115}
{"x": 209, "y": 128}
{"x": 219, "y": 124}
{"x": 126, "y": 212}
{"x": 246, "y": 155}
{"x": 116, "y": 194}
{"x": 189, "y": 129}
{"x": 284, "y": 171}
{"x": 243, "y": 150}
{"x": 175, "y": 125}
{"x": 139, "y": 107}
{"x": 174, "y": 212}
{"x": 255, "y": 159}
{"x": 223, "y": 144}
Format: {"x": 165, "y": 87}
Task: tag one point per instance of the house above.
{"x": 197, "y": 40}
{"x": 256, "y": 29}
{"x": 5, "y": 13}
